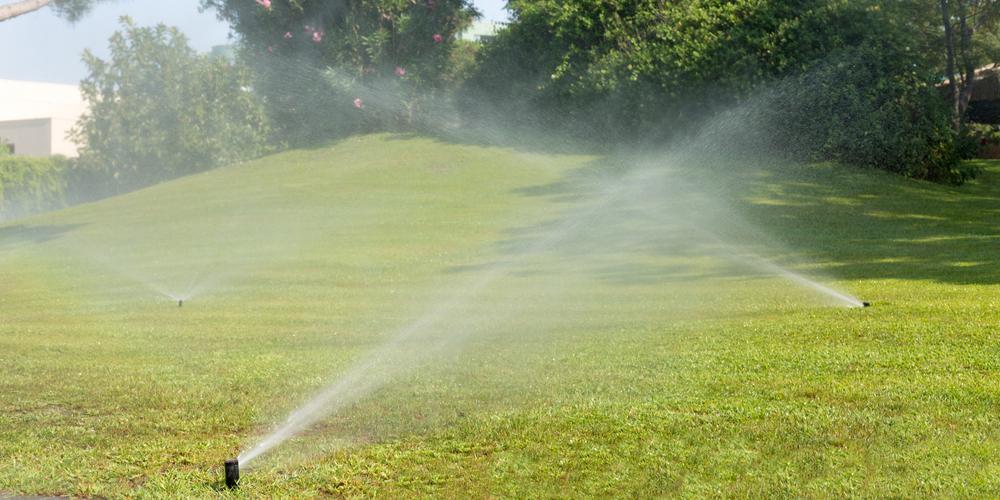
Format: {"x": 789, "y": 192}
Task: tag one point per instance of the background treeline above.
{"x": 860, "y": 82}
{"x": 846, "y": 80}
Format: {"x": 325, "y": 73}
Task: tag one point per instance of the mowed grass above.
{"x": 582, "y": 369}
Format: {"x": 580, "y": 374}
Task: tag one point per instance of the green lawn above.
{"x": 583, "y": 350}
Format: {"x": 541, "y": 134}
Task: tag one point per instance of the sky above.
{"x": 47, "y": 48}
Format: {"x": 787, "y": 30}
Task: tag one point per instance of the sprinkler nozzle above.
{"x": 866, "y": 304}
{"x": 180, "y": 302}
{"x": 232, "y": 473}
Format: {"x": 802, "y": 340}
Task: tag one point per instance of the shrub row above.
{"x": 29, "y": 185}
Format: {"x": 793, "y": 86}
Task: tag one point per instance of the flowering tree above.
{"x": 327, "y": 67}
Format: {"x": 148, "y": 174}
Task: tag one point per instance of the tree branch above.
{"x": 15, "y": 9}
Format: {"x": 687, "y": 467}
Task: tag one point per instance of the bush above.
{"x": 845, "y": 80}
{"x": 158, "y": 110}
{"x": 981, "y": 140}
{"x": 29, "y": 185}
{"x": 867, "y": 107}
{"x": 619, "y": 67}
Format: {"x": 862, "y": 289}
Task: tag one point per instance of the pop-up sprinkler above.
{"x": 232, "y": 473}
{"x": 866, "y": 304}
{"x": 180, "y": 302}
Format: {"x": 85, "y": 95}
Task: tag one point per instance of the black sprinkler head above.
{"x": 180, "y": 303}
{"x": 866, "y": 304}
{"x": 232, "y": 473}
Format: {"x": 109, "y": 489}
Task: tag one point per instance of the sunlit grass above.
{"x": 627, "y": 374}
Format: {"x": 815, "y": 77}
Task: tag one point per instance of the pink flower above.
{"x": 288, "y": 34}
{"x": 265, "y": 3}
{"x": 400, "y": 71}
{"x": 270, "y": 50}
{"x": 317, "y": 36}
{"x": 357, "y": 103}
{"x": 438, "y": 38}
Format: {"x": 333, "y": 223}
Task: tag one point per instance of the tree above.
{"x": 968, "y": 17}
{"x": 157, "y": 109}
{"x": 630, "y": 69}
{"x": 329, "y": 68}
{"x": 72, "y": 10}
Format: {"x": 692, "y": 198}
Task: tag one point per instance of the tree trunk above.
{"x": 949, "y": 44}
{"x": 968, "y": 63}
{"x": 15, "y": 9}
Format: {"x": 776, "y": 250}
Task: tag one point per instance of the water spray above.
{"x": 232, "y": 473}
{"x": 393, "y": 357}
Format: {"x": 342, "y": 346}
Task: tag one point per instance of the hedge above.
{"x": 29, "y": 185}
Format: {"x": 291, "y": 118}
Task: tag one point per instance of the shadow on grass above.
{"x": 853, "y": 223}
{"x": 525, "y": 141}
{"x": 874, "y": 225}
{"x": 13, "y": 236}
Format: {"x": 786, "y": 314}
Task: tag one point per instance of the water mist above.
{"x": 671, "y": 206}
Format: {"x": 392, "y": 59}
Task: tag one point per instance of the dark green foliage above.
{"x": 982, "y": 134}
{"x": 621, "y": 66}
{"x": 835, "y": 112}
{"x": 313, "y": 58}
{"x": 856, "y": 73}
{"x": 30, "y": 185}
{"x": 461, "y": 64}
{"x": 979, "y": 140}
{"x": 159, "y": 110}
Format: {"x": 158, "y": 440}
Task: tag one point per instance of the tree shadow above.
{"x": 21, "y": 234}
{"x": 845, "y": 222}
{"x": 522, "y": 140}
{"x": 875, "y": 225}
{"x": 608, "y": 232}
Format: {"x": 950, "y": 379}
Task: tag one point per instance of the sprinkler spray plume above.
{"x": 232, "y": 473}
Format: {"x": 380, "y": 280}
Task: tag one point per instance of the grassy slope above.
{"x": 642, "y": 384}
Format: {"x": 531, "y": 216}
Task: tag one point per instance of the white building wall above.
{"x": 60, "y": 104}
{"x": 59, "y": 134}
{"x": 29, "y": 137}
